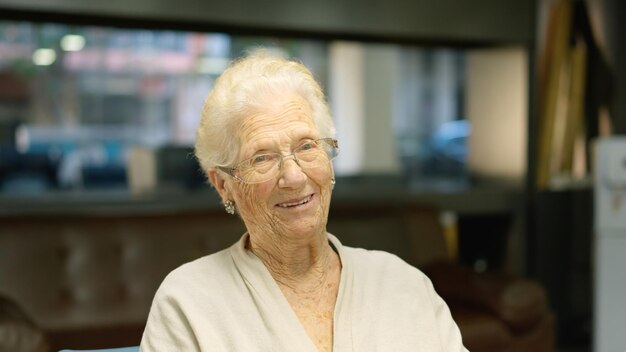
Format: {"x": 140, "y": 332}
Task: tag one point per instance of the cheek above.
{"x": 321, "y": 176}
{"x": 251, "y": 199}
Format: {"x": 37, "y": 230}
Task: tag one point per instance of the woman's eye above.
{"x": 307, "y": 146}
{"x": 261, "y": 159}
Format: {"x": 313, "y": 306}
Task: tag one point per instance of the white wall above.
{"x": 497, "y": 108}
{"x": 361, "y": 94}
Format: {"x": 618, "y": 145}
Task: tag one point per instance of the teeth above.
{"x": 287, "y": 205}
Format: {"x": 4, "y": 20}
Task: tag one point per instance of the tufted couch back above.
{"x": 80, "y": 276}
{"x": 89, "y": 280}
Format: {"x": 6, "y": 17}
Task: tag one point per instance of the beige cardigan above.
{"x": 228, "y": 301}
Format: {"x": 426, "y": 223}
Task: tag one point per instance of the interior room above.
{"x": 476, "y": 139}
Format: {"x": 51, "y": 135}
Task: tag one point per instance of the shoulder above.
{"x": 365, "y": 259}
{"x": 203, "y": 272}
{"x": 390, "y": 292}
{"x": 374, "y": 265}
{"x": 375, "y": 261}
{"x": 184, "y": 302}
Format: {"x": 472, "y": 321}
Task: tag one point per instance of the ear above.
{"x": 218, "y": 180}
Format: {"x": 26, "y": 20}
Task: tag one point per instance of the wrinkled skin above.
{"x": 288, "y": 240}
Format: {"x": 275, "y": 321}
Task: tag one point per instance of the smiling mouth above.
{"x": 297, "y": 203}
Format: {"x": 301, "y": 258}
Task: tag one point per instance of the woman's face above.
{"x": 295, "y": 203}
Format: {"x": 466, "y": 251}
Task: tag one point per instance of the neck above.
{"x": 295, "y": 263}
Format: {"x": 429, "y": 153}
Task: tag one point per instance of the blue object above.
{"x": 121, "y": 349}
{"x": 450, "y": 140}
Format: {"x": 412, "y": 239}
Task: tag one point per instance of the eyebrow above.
{"x": 263, "y": 148}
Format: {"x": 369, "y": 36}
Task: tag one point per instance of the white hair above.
{"x": 243, "y": 89}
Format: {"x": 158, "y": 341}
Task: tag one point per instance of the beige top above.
{"x": 228, "y": 301}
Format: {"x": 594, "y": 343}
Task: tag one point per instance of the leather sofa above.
{"x": 87, "y": 279}
{"x": 495, "y": 311}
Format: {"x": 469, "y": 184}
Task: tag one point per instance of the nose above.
{"x": 291, "y": 174}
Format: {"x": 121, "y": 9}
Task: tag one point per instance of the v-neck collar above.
{"x": 266, "y": 291}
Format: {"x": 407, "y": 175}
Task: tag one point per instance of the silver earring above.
{"x": 332, "y": 183}
{"x": 229, "y": 206}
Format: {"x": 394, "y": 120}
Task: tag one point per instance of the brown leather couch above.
{"x": 88, "y": 278}
{"x": 495, "y": 311}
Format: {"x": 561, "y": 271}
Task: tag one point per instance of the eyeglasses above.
{"x": 264, "y": 167}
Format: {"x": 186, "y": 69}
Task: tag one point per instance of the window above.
{"x": 75, "y": 99}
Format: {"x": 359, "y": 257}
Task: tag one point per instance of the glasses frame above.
{"x": 332, "y": 142}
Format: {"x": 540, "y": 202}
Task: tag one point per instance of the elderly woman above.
{"x": 266, "y": 141}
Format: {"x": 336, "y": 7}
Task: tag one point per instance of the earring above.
{"x": 229, "y": 206}
{"x": 332, "y": 183}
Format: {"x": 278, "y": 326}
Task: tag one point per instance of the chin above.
{"x": 307, "y": 225}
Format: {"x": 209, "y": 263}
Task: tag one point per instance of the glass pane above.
{"x": 74, "y": 100}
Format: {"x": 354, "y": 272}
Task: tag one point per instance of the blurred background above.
{"x": 449, "y": 105}
{"x": 76, "y": 99}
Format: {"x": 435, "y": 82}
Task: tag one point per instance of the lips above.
{"x": 295, "y": 203}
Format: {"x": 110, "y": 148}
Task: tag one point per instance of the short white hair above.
{"x": 243, "y": 89}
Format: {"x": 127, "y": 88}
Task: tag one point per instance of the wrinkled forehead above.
{"x": 276, "y": 122}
